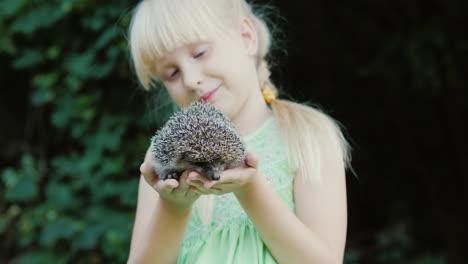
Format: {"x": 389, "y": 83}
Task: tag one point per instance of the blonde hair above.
{"x": 159, "y": 26}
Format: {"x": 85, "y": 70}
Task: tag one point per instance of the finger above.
{"x": 225, "y": 186}
{"x": 193, "y": 192}
{"x": 215, "y": 190}
{"x": 145, "y": 168}
{"x": 237, "y": 175}
{"x": 251, "y": 159}
{"x": 167, "y": 186}
{"x": 195, "y": 184}
{"x": 148, "y": 172}
{"x": 209, "y": 184}
{"x": 184, "y": 185}
{"x": 195, "y": 176}
{"x": 210, "y": 191}
{"x": 201, "y": 188}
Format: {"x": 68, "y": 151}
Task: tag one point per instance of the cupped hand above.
{"x": 177, "y": 193}
{"x": 232, "y": 180}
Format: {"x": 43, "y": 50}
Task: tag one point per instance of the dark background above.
{"x": 75, "y": 125}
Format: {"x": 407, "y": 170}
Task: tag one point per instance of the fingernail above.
{"x": 192, "y": 175}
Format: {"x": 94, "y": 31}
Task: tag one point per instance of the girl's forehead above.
{"x": 165, "y": 54}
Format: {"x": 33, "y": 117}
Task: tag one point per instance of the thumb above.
{"x": 148, "y": 172}
{"x": 251, "y": 159}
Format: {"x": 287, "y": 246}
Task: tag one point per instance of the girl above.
{"x": 288, "y": 203}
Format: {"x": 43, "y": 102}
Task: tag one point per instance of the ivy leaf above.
{"x": 89, "y": 238}
{"x": 9, "y": 177}
{"x": 43, "y": 92}
{"x": 106, "y": 37}
{"x": 6, "y": 43}
{"x": 60, "y": 196}
{"x": 11, "y": 8}
{"x": 28, "y": 59}
{"x": 24, "y": 189}
{"x": 40, "y": 257}
{"x": 59, "y": 228}
{"x": 37, "y": 18}
{"x": 80, "y": 65}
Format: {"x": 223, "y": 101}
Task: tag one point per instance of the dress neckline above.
{"x": 260, "y": 129}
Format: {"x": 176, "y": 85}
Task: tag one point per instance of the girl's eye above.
{"x": 200, "y": 54}
{"x": 173, "y": 73}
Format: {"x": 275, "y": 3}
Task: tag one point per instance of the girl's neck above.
{"x": 251, "y": 117}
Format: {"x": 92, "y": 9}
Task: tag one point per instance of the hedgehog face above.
{"x": 213, "y": 170}
{"x": 210, "y": 170}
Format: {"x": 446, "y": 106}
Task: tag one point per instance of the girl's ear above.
{"x": 249, "y": 36}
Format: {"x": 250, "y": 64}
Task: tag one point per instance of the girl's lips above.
{"x": 208, "y": 96}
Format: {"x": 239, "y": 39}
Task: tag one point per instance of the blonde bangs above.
{"x": 159, "y": 27}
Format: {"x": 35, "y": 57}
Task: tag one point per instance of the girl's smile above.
{"x": 207, "y": 97}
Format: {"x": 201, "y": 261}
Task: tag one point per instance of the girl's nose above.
{"x": 193, "y": 79}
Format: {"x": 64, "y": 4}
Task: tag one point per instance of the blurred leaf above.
{"x": 67, "y": 5}
{"x": 102, "y": 70}
{"x": 429, "y": 260}
{"x": 6, "y": 43}
{"x": 351, "y": 257}
{"x": 28, "y": 164}
{"x": 53, "y": 52}
{"x": 27, "y": 225}
{"x": 64, "y": 111}
{"x": 94, "y": 23}
{"x": 80, "y": 65}
{"x": 43, "y": 92}
{"x": 9, "y": 177}
{"x": 60, "y": 196}
{"x": 129, "y": 193}
{"x": 39, "y": 257}
{"x": 41, "y": 96}
{"x": 391, "y": 256}
{"x": 28, "y": 59}
{"x": 60, "y": 228}
{"x": 11, "y": 8}
{"x": 24, "y": 190}
{"x": 109, "y": 189}
{"x": 89, "y": 238}
{"x": 43, "y": 16}
{"x": 73, "y": 83}
{"x": 79, "y": 130}
{"x": 104, "y": 39}
{"x": 115, "y": 243}
{"x": 3, "y": 223}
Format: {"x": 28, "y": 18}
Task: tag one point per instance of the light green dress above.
{"x": 231, "y": 237}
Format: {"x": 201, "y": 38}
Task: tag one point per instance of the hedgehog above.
{"x": 199, "y": 138}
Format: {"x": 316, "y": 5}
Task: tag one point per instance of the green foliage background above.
{"x": 68, "y": 191}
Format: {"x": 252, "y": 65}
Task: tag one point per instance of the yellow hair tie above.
{"x": 268, "y": 94}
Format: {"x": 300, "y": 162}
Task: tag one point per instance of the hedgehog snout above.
{"x": 213, "y": 171}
